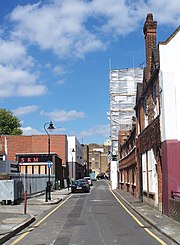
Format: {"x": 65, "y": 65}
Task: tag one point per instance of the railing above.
{"x": 33, "y": 183}
{"x": 175, "y": 194}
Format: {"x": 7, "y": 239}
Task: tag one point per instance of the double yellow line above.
{"x": 138, "y": 221}
{"x": 132, "y": 215}
{"x": 36, "y": 225}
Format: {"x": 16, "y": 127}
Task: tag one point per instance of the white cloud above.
{"x": 14, "y": 53}
{"x": 64, "y": 116}
{"x": 17, "y": 77}
{"x": 70, "y": 29}
{"x": 96, "y": 130}
{"x": 19, "y": 82}
{"x": 57, "y": 70}
{"x": 74, "y": 28}
{"x": 59, "y": 130}
{"x": 61, "y": 30}
{"x": 60, "y": 82}
{"x": 30, "y": 131}
{"x": 165, "y": 12}
{"x": 23, "y": 110}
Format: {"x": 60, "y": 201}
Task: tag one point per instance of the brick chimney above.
{"x": 122, "y": 136}
{"x": 150, "y": 42}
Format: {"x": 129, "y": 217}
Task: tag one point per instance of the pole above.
{"x": 25, "y": 195}
{"x": 72, "y": 167}
{"x": 51, "y": 127}
{"x": 49, "y": 176}
{"x": 73, "y": 171}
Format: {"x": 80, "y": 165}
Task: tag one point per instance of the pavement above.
{"x": 13, "y": 219}
{"x": 154, "y": 217}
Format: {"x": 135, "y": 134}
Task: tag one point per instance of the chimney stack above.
{"x": 150, "y": 42}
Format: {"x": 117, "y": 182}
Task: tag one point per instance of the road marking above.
{"x": 136, "y": 219}
{"x": 36, "y": 225}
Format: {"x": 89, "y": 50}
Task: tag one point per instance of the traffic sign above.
{"x": 49, "y": 164}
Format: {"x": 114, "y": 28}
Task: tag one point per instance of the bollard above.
{"x": 46, "y": 200}
{"x": 25, "y": 202}
{"x": 49, "y": 190}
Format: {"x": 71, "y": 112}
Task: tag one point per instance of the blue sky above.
{"x": 55, "y": 58}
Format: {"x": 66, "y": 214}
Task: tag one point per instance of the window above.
{"x": 127, "y": 176}
{"x": 155, "y": 91}
{"x": 96, "y": 165}
{"x": 146, "y": 111}
{"x": 134, "y": 176}
{"x": 144, "y": 173}
{"x": 145, "y": 107}
{"x": 121, "y": 176}
{"x": 155, "y": 99}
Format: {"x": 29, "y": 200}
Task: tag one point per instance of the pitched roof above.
{"x": 170, "y": 37}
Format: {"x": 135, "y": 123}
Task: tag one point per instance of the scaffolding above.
{"x": 123, "y": 86}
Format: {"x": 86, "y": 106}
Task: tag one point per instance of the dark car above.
{"x": 80, "y": 185}
{"x": 102, "y": 176}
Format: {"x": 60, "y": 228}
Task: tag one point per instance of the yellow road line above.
{"x": 36, "y": 225}
{"x": 136, "y": 219}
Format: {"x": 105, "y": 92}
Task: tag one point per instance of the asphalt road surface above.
{"x": 95, "y": 218}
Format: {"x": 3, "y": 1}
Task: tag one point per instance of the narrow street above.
{"x": 91, "y": 219}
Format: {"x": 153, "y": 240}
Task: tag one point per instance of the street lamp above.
{"x": 50, "y": 128}
{"x": 72, "y": 162}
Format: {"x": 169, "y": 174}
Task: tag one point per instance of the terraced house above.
{"x": 149, "y": 159}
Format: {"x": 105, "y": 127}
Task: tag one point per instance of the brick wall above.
{"x": 150, "y": 137}
{"x": 35, "y": 144}
{"x": 150, "y": 42}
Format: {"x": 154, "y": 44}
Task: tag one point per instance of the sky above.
{"x": 56, "y": 55}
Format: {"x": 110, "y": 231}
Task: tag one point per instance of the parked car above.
{"x": 80, "y": 185}
{"x": 89, "y": 180}
{"x": 102, "y": 176}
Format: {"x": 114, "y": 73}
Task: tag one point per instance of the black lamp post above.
{"x": 50, "y": 128}
{"x": 72, "y": 162}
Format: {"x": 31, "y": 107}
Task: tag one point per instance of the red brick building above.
{"x": 148, "y": 122}
{"x": 36, "y": 145}
{"x": 140, "y": 154}
{"x": 127, "y": 163}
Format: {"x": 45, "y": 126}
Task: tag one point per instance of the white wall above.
{"x": 144, "y": 172}
{"x": 114, "y": 175}
{"x": 153, "y": 176}
{"x": 170, "y": 85}
{"x": 73, "y": 143}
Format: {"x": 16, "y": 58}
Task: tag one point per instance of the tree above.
{"x": 9, "y": 124}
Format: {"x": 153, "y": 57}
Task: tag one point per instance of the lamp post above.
{"x": 50, "y": 128}
{"x": 72, "y": 162}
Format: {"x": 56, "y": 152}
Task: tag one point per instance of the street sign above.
{"x": 49, "y": 164}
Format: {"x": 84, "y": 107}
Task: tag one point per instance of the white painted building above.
{"x": 169, "y": 80}
{"x": 75, "y": 158}
{"x": 169, "y": 53}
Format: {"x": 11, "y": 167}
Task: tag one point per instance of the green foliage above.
{"x": 9, "y": 124}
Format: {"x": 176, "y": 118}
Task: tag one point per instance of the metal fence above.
{"x": 174, "y": 209}
{"x": 33, "y": 183}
